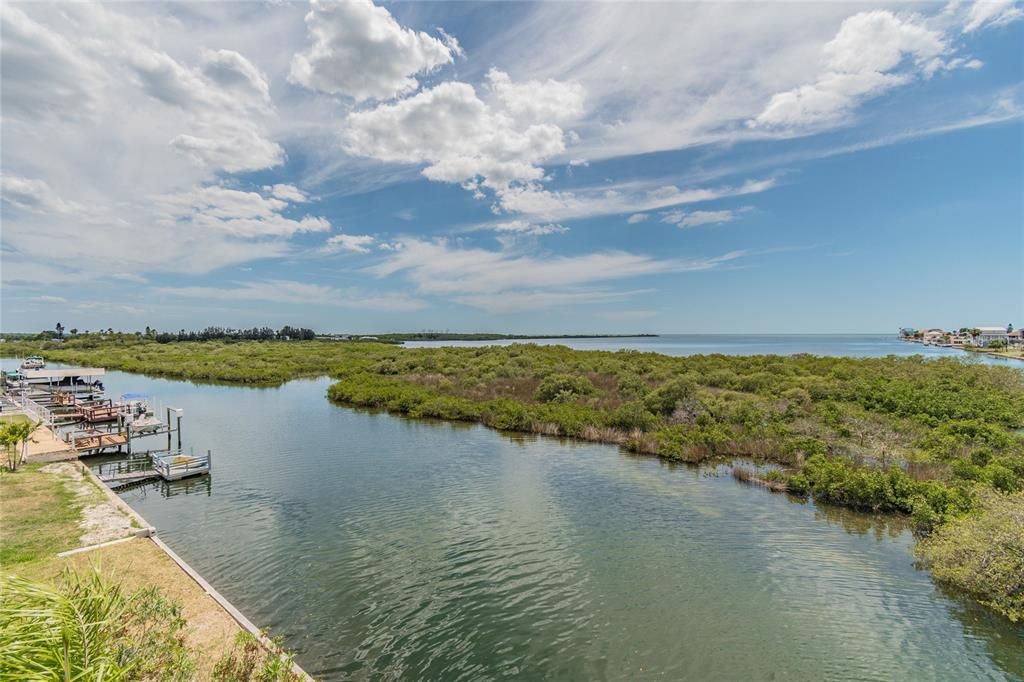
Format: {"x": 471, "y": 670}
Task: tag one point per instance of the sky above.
{"x": 512, "y": 167}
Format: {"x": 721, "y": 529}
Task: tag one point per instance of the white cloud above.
{"x": 32, "y": 55}
{"x": 484, "y": 278}
{"x": 530, "y": 101}
{"x": 360, "y": 50}
{"x": 32, "y": 194}
{"x": 233, "y": 212}
{"x": 523, "y": 227}
{"x": 543, "y": 205}
{"x": 460, "y": 137}
{"x": 353, "y": 243}
{"x": 696, "y": 218}
{"x": 288, "y": 193}
{"x": 872, "y": 52}
{"x": 292, "y": 292}
{"x": 991, "y": 13}
{"x": 50, "y": 300}
{"x": 637, "y": 218}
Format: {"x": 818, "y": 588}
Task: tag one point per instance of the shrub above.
{"x": 983, "y": 553}
{"x": 666, "y": 397}
{"x": 563, "y": 388}
{"x": 633, "y": 415}
{"x": 88, "y": 628}
{"x": 507, "y": 415}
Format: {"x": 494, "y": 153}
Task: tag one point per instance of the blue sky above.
{"x": 548, "y": 168}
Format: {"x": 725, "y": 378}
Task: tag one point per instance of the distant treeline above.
{"x": 285, "y": 333}
{"x": 446, "y": 336}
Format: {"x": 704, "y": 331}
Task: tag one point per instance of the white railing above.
{"x": 36, "y": 411}
{"x": 178, "y": 465}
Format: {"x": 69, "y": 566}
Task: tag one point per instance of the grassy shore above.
{"x": 936, "y": 440}
{"x": 120, "y": 611}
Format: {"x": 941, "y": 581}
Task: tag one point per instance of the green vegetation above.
{"x": 924, "y": 438}
{"x": 88, "y": 627}
{"x": 983, "y": 553}
{"x": 14, "y": 437}
{"x": 39, "y": 516}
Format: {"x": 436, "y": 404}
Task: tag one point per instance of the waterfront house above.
{"x": 959, "y": 340}
{"x": 935, "y": 336}
{"x": 1015, "y": 337}
{"x": 986, "y": 335}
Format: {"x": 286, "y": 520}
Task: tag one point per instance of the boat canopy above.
{"x": 133, "y": 396}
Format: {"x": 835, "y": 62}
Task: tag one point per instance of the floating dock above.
{"x": 172, "y": 466}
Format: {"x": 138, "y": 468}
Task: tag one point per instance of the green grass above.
{"x": 14, "y": 419}
{"x": 39, "y": 516}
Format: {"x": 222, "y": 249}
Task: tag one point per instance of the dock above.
{"x": 169, "y": 466}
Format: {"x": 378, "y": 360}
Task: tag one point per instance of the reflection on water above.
{"x": 388, "y": 548}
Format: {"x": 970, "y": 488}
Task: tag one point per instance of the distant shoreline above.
{"x": 444, "y": 336}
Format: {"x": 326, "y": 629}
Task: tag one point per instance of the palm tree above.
{"x": 13, "y": 434}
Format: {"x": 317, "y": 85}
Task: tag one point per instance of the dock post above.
{"x": 179, "y": 430}
{"x": 168, "y": 429}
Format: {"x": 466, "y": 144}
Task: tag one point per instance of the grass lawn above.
{"x": 14, "y": 419}
{"x": 39, "y": 516}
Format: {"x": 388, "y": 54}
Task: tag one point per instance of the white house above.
{"x": 986, "y": 335}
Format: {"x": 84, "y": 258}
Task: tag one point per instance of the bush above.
{"x": 632, "y": 416}
{"x": 983, "y": 553}
{"x": 665, "y": 398}
{"x": 563, "y": 388}
{"x": 88, "y": 628}
{"x": 838, "y": 481}
{"x": 507, "y": 415}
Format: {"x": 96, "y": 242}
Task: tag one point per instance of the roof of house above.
{"x": 992, "y": 330}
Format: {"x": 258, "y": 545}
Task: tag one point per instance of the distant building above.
{"x": 935, "y": 336}
{"x": 986, "y": 335}
{"x": 907, "y": 333}
{"x": 1015, "y": 337}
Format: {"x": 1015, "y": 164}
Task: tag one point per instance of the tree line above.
{"x": 285, "y": 333}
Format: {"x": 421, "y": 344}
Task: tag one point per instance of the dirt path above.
{"x": 101, "y": 520}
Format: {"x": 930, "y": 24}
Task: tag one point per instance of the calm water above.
{"x": 386, "y": 548}
{"x": 850, "y": 345}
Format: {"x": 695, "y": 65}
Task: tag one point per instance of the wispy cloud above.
{"x": 482, "y": 277}
{"x": 292, "y": 292}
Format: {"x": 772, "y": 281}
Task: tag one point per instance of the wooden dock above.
{"x": 97, "y": 441}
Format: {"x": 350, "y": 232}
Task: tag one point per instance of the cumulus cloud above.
{"x": 359, "y": 50}
{"x": 459, "y": 137}
{"x": 353, "y": 243}
{"x": 873, "y": 52}
{"x": 637, "y": 218}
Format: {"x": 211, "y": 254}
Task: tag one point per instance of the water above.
{"x": 840, "y": 345}
{"x": 387, "y": 548}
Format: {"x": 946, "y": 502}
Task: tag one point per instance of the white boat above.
{"x": 138, "y": 415}
{"x": 33, "y": 362}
